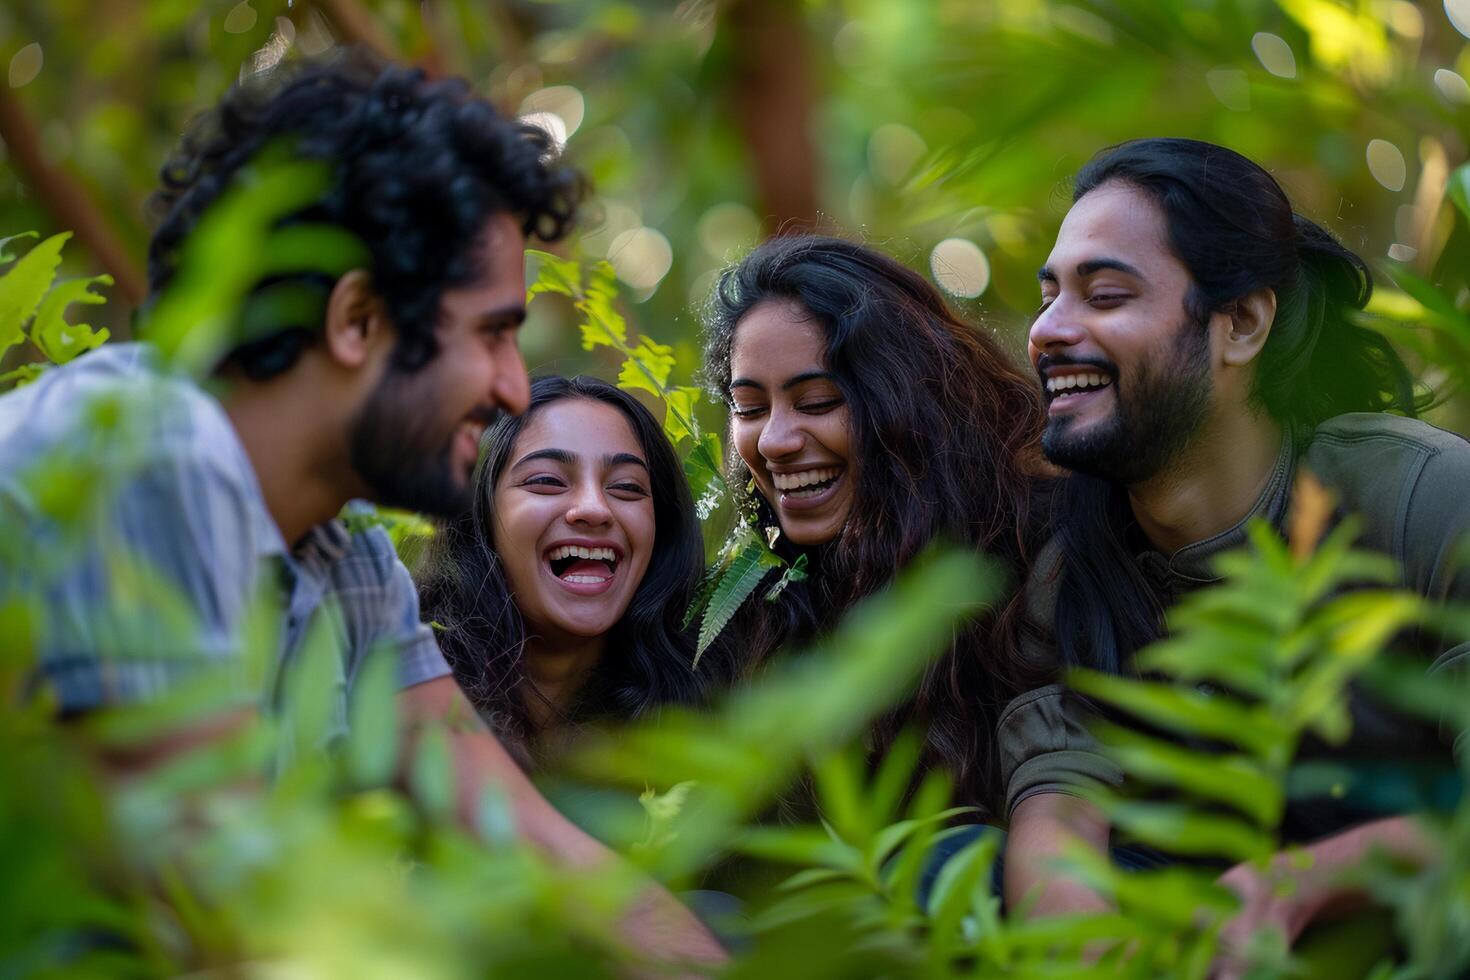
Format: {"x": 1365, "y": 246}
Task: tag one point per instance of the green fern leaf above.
{"x": 679, "y": 414}
{"x": 554, "y": 275}
{"x": 736, "y": 584}
{"x": 61, "y": 341}
{"x": 23, "y": 286}
{"x": 648, "y": 367}
{"x": 6, "y": 257}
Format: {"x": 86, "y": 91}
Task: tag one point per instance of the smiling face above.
{"x": 574, "y": 519}
{"x": 416, "y": 440}
{"x": 790, "y": 422}
{"x": 1126, "y": 372}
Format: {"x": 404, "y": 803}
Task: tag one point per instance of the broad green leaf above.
{"x": 702, "y": 595}
{"x": 372, "y": 741}
{"x": 800, "y": 845}
{"x": 838, "y": 781}
{"x": 432, "y": 772}
{"x": 6, "y": 257}
{"x": 554, "y": 275}
{"x": 605, "y": 326}
{"x": 1458, "y": 189}
{"x": 1180, "y": 829}
{"x": 736, "y": 584}
{"x": 1184, "y": 711}
{"x": 679, "y": 405}
{"x": 648, "y": 367}
{"x": 599, "y": 332}
{"x": 702, "y": 465}
{"x": 23, "y": 286}
{"x": 1234, "y": 780}
{"x": 61, "y": 341}
{"x": 964, "y": 879}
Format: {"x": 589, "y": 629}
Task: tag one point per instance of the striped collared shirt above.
{"x": 133, "y": 526}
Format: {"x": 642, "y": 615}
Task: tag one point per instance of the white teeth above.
{"x": 1066, "y": 382}
{"x": 584, "y": 579}
{"x": 795, "y": 481}
{"x": 576, "y": 551}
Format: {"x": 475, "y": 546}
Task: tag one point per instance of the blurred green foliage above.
{"x": 926, "y": 122}
{"x": 702, "y": 122}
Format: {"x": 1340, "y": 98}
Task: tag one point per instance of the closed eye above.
{"x": 549, "y": 482}
{"x": 631, "y": 489}
{"x": 817, "y": 408}
{"x": 747, "y": 413}
{"x": 1106, "y": 301}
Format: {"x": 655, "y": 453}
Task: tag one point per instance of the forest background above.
{"x": 943, "y": 132}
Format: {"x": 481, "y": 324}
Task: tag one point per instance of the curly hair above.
{"x": 417, "y": 167}
{"x": 463, "y": 588}
{"x": 946, "y": 429}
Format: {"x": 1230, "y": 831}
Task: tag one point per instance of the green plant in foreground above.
{"x": 33, "y": 305}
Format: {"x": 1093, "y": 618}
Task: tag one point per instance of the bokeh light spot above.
{"x": 1458, "y": 11}
{"x": 728, "y": 229}
{"x": 960, "y": 268}
{"x": 893, "y": 151}
{"x": 1386, "y": 164}
{"x": 1452, "y": 86}
{"x": 240, "y": 18}
{"x": 563, "y": 101}
{"x": 1231, "y": 86}
{"x": 26, "y": 65}
{"x": 641, "y": 257}
{"x": 1274, "y": 54}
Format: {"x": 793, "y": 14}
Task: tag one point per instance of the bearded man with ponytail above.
{"x": 1196, "y": 350}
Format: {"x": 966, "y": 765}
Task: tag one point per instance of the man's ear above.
{"x": 1249, "y": 324}
{"x": 357, "y": 323}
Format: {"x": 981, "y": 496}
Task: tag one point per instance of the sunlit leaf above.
{"x": 24, "y": 284}
{"x": 61, "y": 341}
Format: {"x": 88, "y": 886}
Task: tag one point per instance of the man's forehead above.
{"x": 1120, "y": 217}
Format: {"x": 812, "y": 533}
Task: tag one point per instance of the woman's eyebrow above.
{"x": 786, "y": 385}
{"x": 617, "y": 459}
{"x": 554, "y": 455}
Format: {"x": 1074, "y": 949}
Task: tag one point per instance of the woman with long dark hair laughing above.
{"x": 559, "y": 598}
{"x": 871, "y": 421}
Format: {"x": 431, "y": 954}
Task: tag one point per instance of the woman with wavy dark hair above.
{"x": 560, "y": 596}
{"x": 873, "y": 421}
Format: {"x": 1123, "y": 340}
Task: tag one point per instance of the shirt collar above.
{"x": 1194, "y": 563}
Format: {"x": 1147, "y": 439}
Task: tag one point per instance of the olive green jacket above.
{"x": 1410, "y": 484}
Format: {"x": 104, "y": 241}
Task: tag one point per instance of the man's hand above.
{"x": 1299, "y": 888}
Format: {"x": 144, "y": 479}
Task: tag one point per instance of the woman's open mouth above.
{"x": 583, "y": 570}
{"x": 806, "y": 489}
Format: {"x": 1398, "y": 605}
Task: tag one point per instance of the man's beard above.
{"x": 1155, "y": 415}
{"x": 398, "y": 453}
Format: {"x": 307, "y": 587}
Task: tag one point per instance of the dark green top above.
{"x": 1408, "y": 481}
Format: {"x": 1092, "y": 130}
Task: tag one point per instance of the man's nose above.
{"x": 512, "y": 391}
{"x": 1056, "y": 327}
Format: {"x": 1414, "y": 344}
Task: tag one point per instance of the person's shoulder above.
{"x": 1378, "y": 431}
{"x": 1376, "y": 458}
{"x": 1405, "y": 477}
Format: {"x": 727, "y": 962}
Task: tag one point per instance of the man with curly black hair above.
{"x": 374, "y": 384}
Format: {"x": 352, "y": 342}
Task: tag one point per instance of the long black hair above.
{"x": 1233, "y": 227}
{"x": 945, "y": 434}
{"x": 463, "y": 589}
